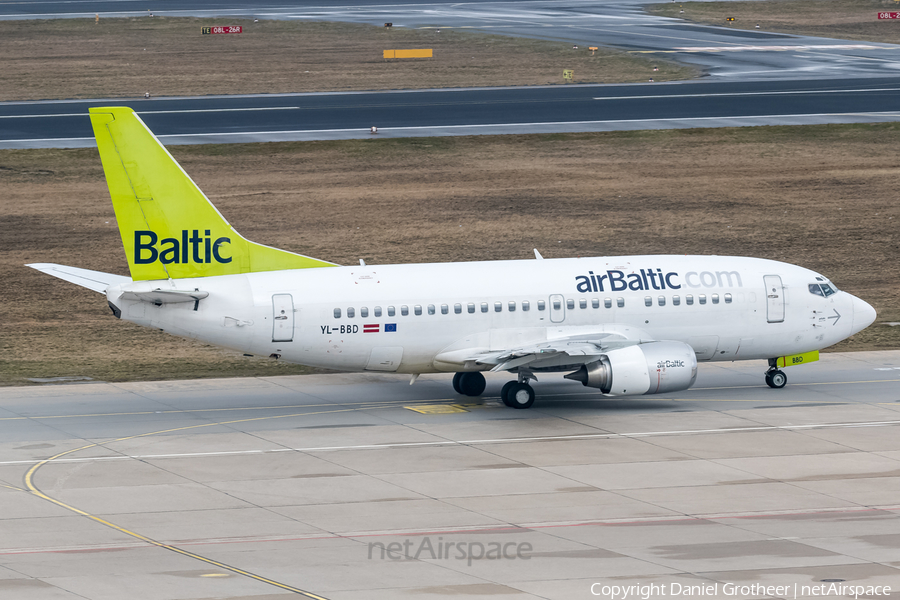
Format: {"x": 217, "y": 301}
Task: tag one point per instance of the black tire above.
{"x": 456, "y": 379}
{"x": 776, "y": 379}
{"x": 472, "y": 384}
{"x": 504, "y": 392}
{"x": 520, "y": 395}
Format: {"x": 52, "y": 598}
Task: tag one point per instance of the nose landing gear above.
{"x": 776, "y": 379}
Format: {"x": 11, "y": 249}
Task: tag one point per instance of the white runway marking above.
{"x": 159, "y": 112}
{"x": 780, "y": 93}
{"x": 550, "y": 438}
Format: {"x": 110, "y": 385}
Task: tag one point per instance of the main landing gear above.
{"x": 516, "y": 394}
{"x": 469, "y": 384}
{"x": 775, "y": 378}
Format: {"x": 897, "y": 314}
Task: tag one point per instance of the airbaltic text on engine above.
{"x": 668, "y": 364}
{"x": 647, "y": 279}
{"x": 172, "y": 250}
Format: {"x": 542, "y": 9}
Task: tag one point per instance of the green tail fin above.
{"x": 169, "y": 228}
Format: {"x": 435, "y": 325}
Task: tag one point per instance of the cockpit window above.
{"x": 822, "y": 289}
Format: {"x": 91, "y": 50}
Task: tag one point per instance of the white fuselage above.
{"x": 422, "y": 318}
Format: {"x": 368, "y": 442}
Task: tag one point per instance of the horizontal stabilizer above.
{"x": 159, "y": 296}
{"x": 92, "y": 280}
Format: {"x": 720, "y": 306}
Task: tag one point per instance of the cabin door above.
{"x": 774, "y": 298}
{"x": 283, "y": 318}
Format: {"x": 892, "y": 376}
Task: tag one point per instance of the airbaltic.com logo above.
{"x": 649, "y": 279}
{"x": 192, "y": 247}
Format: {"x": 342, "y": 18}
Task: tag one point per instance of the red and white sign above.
{"x": 225, "y": 29}
{"x": 889, "y": 15}
{"x": 375, "y": 328}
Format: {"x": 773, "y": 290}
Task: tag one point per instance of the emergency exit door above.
{"x": 774, "y": 299}
{"x": 557, "y": 308}
{"x": 282, "y": 318}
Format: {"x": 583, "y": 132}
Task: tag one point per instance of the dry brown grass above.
{"x": 841, "y": 19}
{"x": 74, "y": 58}
{"x": 820, "y": 196}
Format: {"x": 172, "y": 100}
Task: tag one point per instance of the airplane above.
{"x": 625, "y": 325}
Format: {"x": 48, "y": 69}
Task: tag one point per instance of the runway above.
{"x": 482, "y": 111}
{"x": 719, "y": 51}
{"x": 261, "y": 488}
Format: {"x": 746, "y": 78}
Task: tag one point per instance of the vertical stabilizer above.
{"x": 169, "y": 228}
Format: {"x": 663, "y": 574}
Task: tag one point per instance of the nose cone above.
{"x": 863, "y": 315}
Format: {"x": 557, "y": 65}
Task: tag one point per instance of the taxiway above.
{"x": 258, "y": 487}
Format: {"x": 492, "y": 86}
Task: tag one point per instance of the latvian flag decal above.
{"x": 371, "y": 328}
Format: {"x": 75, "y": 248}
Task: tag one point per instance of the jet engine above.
{"x": 652, "y": 368}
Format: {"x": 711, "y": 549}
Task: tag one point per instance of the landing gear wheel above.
{"x": 472, "y": 384}
{"x": 504, "y": 392}
{"x": 520, "y": 395}
{"x": 456, "y": 379}
{"x": 776, "y": 379}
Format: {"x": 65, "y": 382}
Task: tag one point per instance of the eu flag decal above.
{"x": 389, "y": 327}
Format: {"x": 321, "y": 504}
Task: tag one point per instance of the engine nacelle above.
{"x": 654, "y": 368}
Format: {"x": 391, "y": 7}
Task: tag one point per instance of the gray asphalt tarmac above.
{"x": 720, "y": 51}
{"x": 757, "y": 78}
{"x": 257, "y": 488}
{"x": 465, "y": 111}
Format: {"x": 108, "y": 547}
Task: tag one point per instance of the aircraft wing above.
{"x": 93, "y": 280}
{"x": 563, "y": 352}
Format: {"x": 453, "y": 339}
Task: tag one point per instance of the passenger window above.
{"x": 471, "y": 308}
{"x": 689, "y": 299}
{"x": 498, "y": 306}
{"x": 391, "y": 311}
{"x": 404, "y": 310}
{"x": 445, "y": 309}
{"x": 648, "y": 300}
{"x": 541, "y": 305}
{"x": 457, "y": 308}
{"x": 676, "y": 300}
{"x": 701, "y": 298}
{"x": 337, "y": 313}
{"x": 620, "y": 302}
{"x": 484, "y": 307}
{"x": 364, "y": 312}
{"x": 595, "y": 303}
{"x": 526, "y": 305}
{"x": 570, "y": 304}
{"x": 418, "y": 310}
{"x": 607, "y": 302}
{"x": 377, "y": 311}
{"x": 661, "y": 301}
{"x": 715, "y": 298}
{"x": 431, "y": 310}
{"x": 557, "y": 305}
{"x": 727, "y": 298}
{"x": 512, "y": 306}
{"x": 582, "y": 303}
{"x": 351, "y": 313}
